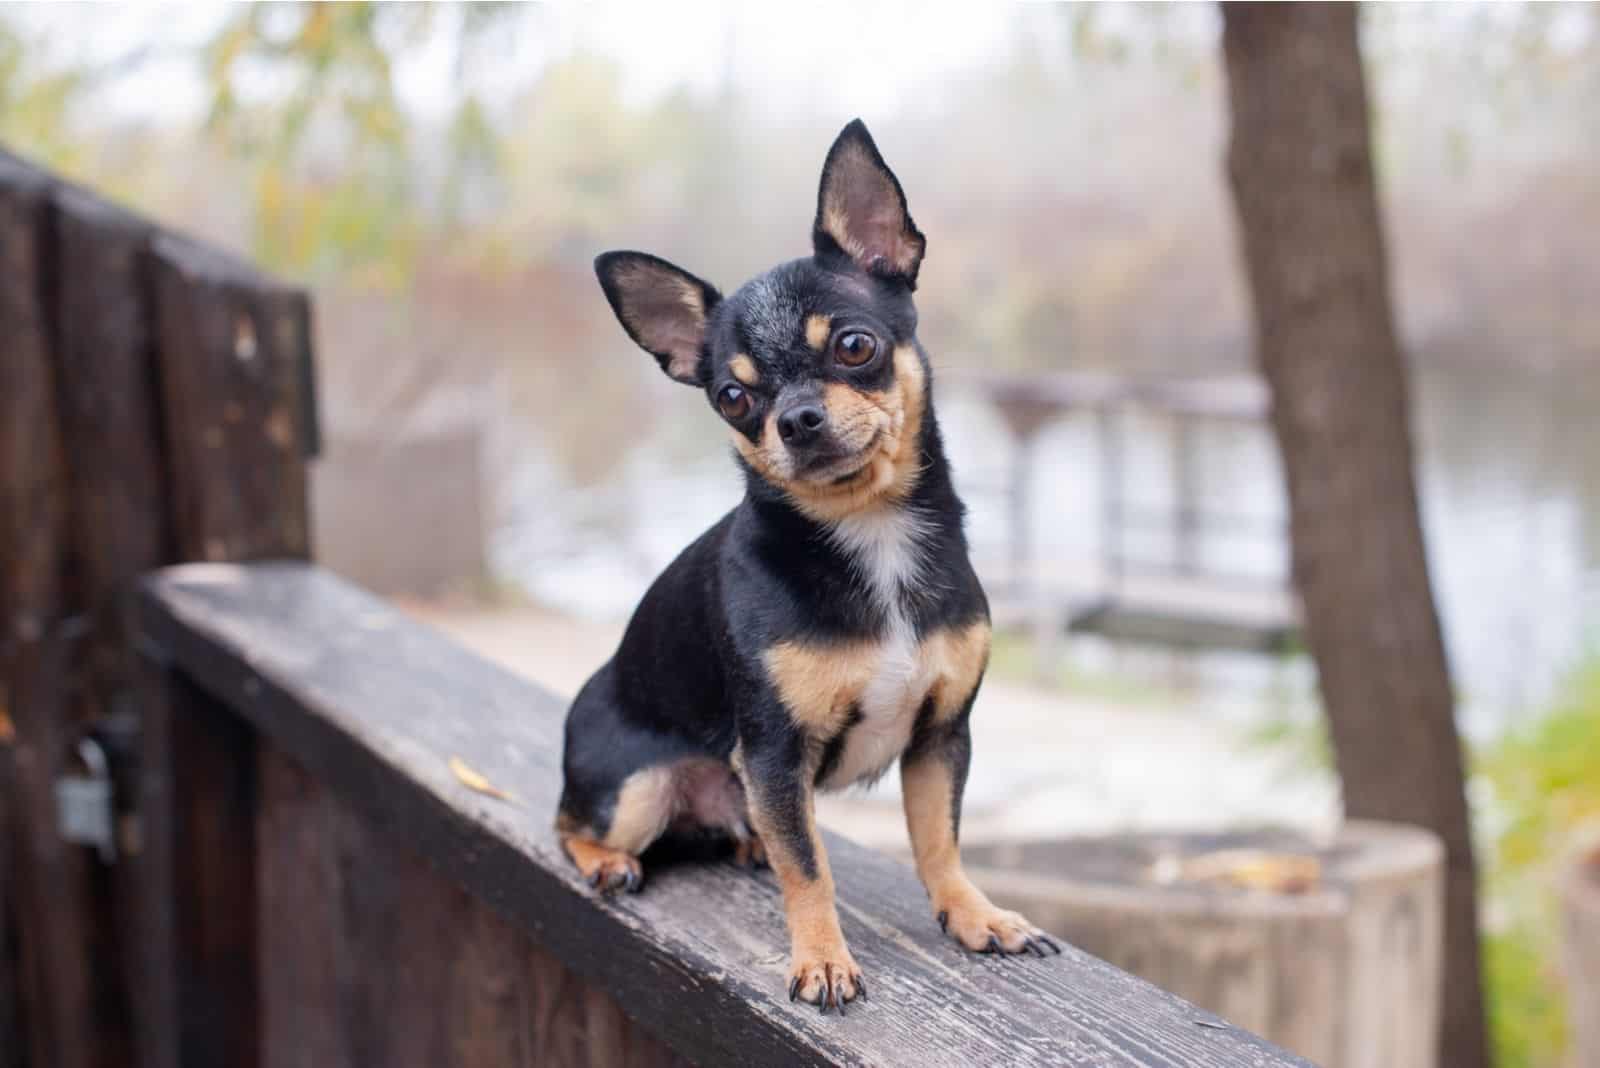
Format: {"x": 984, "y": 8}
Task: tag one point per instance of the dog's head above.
{"x": 813, "y": 365}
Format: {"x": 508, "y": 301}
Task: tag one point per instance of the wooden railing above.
{"x": 154, "y": 408}
{"x": 300, "y": 877}
{"x": 405, "y": 918}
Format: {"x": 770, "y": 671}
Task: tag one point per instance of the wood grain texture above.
{"x": 11, "y": 1047}
{"x": 373, "y": 706}
{"x": 1345, "y": 973}
{"x": 106, "y": 366}
{"x": 230, "y": 342}
{"x": 371, "y": 957}
{"x": 64, "y": 1022}
{"x": 229, "y": 345}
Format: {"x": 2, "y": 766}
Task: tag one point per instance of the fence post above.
{"x": 230, "y": 347}
{"x": 68, "y": 1023}
{"x": 105, "y": 362}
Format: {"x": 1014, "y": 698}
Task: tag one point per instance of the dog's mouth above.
{"x": 841, "y": 469}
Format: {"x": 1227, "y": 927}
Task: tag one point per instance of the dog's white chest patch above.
{"x": 888, "y": 707}
{"x": 885, "y": 548}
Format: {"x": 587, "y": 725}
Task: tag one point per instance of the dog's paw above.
{"x": 750, "y": 852}
{"x": 828, "y": 978}
{"x": 604, "y": 868}
{"x": 975, "y": 922}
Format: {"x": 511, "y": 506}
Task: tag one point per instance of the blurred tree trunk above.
{"x": 1301, "y": 168}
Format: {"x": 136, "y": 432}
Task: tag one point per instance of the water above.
{"x": 1509, "y": 478}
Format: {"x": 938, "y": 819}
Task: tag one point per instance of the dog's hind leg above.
{"x": 609, "y": 859}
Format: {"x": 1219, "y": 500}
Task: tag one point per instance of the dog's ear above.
{"x": 662, "y": 307}
{"x": 861, "y": 211}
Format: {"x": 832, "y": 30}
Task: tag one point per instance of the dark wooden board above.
{"x": 374, "y": 705}
{"x": 371, "y": 957}
{"x": 229, "y": 346}
{"x": 11, "y": 1048}
{"x": 65, "y": 1022}
{"x": 111, "y": 416}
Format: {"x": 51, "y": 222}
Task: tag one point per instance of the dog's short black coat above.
{"x": 827, "y": 626}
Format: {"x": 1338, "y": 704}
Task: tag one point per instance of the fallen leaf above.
{"x": 1254, "y": 869}
{"x": 472, "y": 779}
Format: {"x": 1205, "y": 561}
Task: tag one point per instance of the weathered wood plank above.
{"x": 66, "y": 1025}
{"x": 231, "y": 343}
{"x": 370, "y": 957}
{"x": 105, "y": 364}
{"x": 106, "y": 367}
{"x": 11, "y": 1049}
{"x": 373, "y": 706}
{"x": 229, "y": 346}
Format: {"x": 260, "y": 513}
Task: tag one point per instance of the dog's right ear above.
{"x": 861, "y": 211}
{"x": 662, "y": 307}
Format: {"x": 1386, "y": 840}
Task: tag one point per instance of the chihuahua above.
{"x": 829, "y": 625}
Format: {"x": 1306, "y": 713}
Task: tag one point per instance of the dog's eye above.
{"x": 855, "y": 349}
{"x": 734, "y": 402}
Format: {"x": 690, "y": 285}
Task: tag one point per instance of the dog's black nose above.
{"x": 800, "y": 424}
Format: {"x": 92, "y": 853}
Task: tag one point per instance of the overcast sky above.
{"x": 872, "y": 58}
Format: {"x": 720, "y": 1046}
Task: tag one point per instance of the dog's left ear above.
{"x": 861, "y": 211}
{"x": 663, "y": 307}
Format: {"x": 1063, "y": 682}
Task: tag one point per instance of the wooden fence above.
{"x": 300, "y": 879}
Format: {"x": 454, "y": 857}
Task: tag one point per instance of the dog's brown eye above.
{"x": 855, "y": 348}
{"x": 734, "y": 402}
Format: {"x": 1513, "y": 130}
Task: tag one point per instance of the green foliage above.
{"x": 36, "y": 99}
{"x": 1527, "y": 1013}
{"x": 338, "y": 169}
{"x": 1544, "y": 785}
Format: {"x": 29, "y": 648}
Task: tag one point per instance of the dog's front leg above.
{"x": 777, "y": 777}
{"x": 933, "y": 774}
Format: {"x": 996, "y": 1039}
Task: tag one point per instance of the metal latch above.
{"x": 85, "y": 809}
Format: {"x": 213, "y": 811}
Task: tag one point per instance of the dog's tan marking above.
{"x": 743, "y": 368}
{"x": 818, "y": 327}
{"x": 958, "y": 656}
{"x": 750, "y": 852}
{"x": 817, "y": 949}
{"x": 819, "y": 683}
{"x": 601, "y": 866}
{"x": 645, "y": 805}
{"x": 887, "y": 475}
{"x": 928, "y": 787}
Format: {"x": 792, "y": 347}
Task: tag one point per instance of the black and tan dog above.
{"x": 827, "y": 626}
